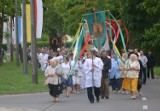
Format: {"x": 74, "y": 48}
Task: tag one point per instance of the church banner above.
{"x": 97, "y": 28}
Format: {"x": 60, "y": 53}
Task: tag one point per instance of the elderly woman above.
{"x": 125, "y": 82}
{"x": 133, "y": 68}
{"x": 52, "y": 79}
{"x": 115, "y": 78}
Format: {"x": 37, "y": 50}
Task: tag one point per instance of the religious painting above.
{"x": 98, "y": 30}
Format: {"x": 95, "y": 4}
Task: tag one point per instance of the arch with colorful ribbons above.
{"x": 114, "y": 33}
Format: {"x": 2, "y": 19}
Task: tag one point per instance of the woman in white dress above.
{"x": 66, "y": 76}
{"x": 77, "y": 74}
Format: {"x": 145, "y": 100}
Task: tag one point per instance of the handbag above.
{"x": 60, "y": 87}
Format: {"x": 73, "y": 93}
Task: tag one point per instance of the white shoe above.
{"x": 127, "y": 92}
{"x": 133, "y": 97}
{"x": 57, "y": 99}
{"x": 114, "y": 91}
{"x": 119, "y": 91}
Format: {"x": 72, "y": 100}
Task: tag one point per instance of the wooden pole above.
{"x": 97, "y": 32}
{"x": 33, "y": 44}
{"x": 16, "y": 27}
{"x": 24, "y": 37}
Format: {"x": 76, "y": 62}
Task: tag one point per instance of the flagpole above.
{"x": 97, "y": 32}
{"x": 94, "y": 9}
{"x": 92, "y": 68}
{"x": 33, "y": 44}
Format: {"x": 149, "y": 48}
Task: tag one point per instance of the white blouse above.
{"x": 65, "y": 69}
{"x": 54, "y": 79}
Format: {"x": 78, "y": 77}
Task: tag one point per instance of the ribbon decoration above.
{"x": 75, "y": 39}
{"x": 81, "y": 37}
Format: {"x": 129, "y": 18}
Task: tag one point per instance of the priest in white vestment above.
{"x": 93, "y": 71}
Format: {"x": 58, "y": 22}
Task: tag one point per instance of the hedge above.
{"x": 39, "y": 45}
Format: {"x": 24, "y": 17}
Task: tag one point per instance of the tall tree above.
{"x": 16, "y": 33}
{"x": 53, "y": 23}
{"x": 136, "y": 20}
{"x": 24, "y": 37}
{"x": 6, "y": 8}
{"x": 33, "y": 44}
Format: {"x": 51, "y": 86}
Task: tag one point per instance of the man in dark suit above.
{"x": 105, "y": 73}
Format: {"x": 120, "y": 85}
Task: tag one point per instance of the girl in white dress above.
{"x": 77, "y": 74}
{"x": 67, "y": 78}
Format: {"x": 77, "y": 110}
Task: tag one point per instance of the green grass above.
{"x": 157, "y": 71}
{"x": 12, "y": 80}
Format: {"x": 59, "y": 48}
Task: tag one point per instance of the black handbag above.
{"x": 60, "y": 87}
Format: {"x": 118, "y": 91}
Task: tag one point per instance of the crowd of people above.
{"x": 95, "y": 72}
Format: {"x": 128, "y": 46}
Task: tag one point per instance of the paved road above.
{"x": 150, "y": 101}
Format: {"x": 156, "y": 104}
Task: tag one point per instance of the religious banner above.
{"x": 28, "y": 22}
{"x": 19, "y": 30}
{"x": 39, "y": 17}
{"x": 97, "y": 28}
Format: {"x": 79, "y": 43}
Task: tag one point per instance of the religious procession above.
{"x": 91, "y": 64}
{"x": 76, "y": 53}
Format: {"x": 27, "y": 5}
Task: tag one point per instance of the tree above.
{"x": 152, "y": 34}
{"x": 6, "y": 8}
{"x": 53, "y": 23}
{"x": 136, "y": 19}
{"x": 73, "y": 11}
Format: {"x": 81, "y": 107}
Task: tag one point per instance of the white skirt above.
{"x": 76, "y": 80}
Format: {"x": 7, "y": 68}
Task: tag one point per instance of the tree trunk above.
{"x": 1, "y": 36}
{"x": 21, "y": 53}
{"x": 24, "y": 38}
{"x": 33, "y": 44}
{"x": 11, "y": 45}
{"x": 17, "y": 41}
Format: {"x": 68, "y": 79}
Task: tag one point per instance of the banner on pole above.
{"x": 97, "y": 27}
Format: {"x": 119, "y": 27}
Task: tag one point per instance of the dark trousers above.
{"x": 104, "y": 87}
{"x": 150, "y": 70}
{"x": 90, "y": 94}
{"x": 115, "y": 83}
{"x": 144, "y": 75}
{"x": 140, "y": 82}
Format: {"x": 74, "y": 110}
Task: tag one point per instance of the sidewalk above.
{"x": 15, "y": 109}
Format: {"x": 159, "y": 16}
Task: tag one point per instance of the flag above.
{"x": 19, "y": 30}
{"x": 78, "y": 44}
{"x": 28, "y": 22}
{"x": 85, "y": 45}
{"x": 39, "y": 17}
{"x": 97, "y": 28}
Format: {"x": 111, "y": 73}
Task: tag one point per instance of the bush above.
{"x": 4, "y": 46}
{"x": 41, "y": 44}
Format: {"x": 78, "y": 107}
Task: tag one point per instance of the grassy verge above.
{"x": 12, "y": 80}
{"x": 157, "y": 71}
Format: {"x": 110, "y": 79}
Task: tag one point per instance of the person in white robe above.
{"x": 76, "y": 75}
{"x": 83, "y": 78}
{"x": 43, "y": 60}
{"x": 93, "y": 70}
